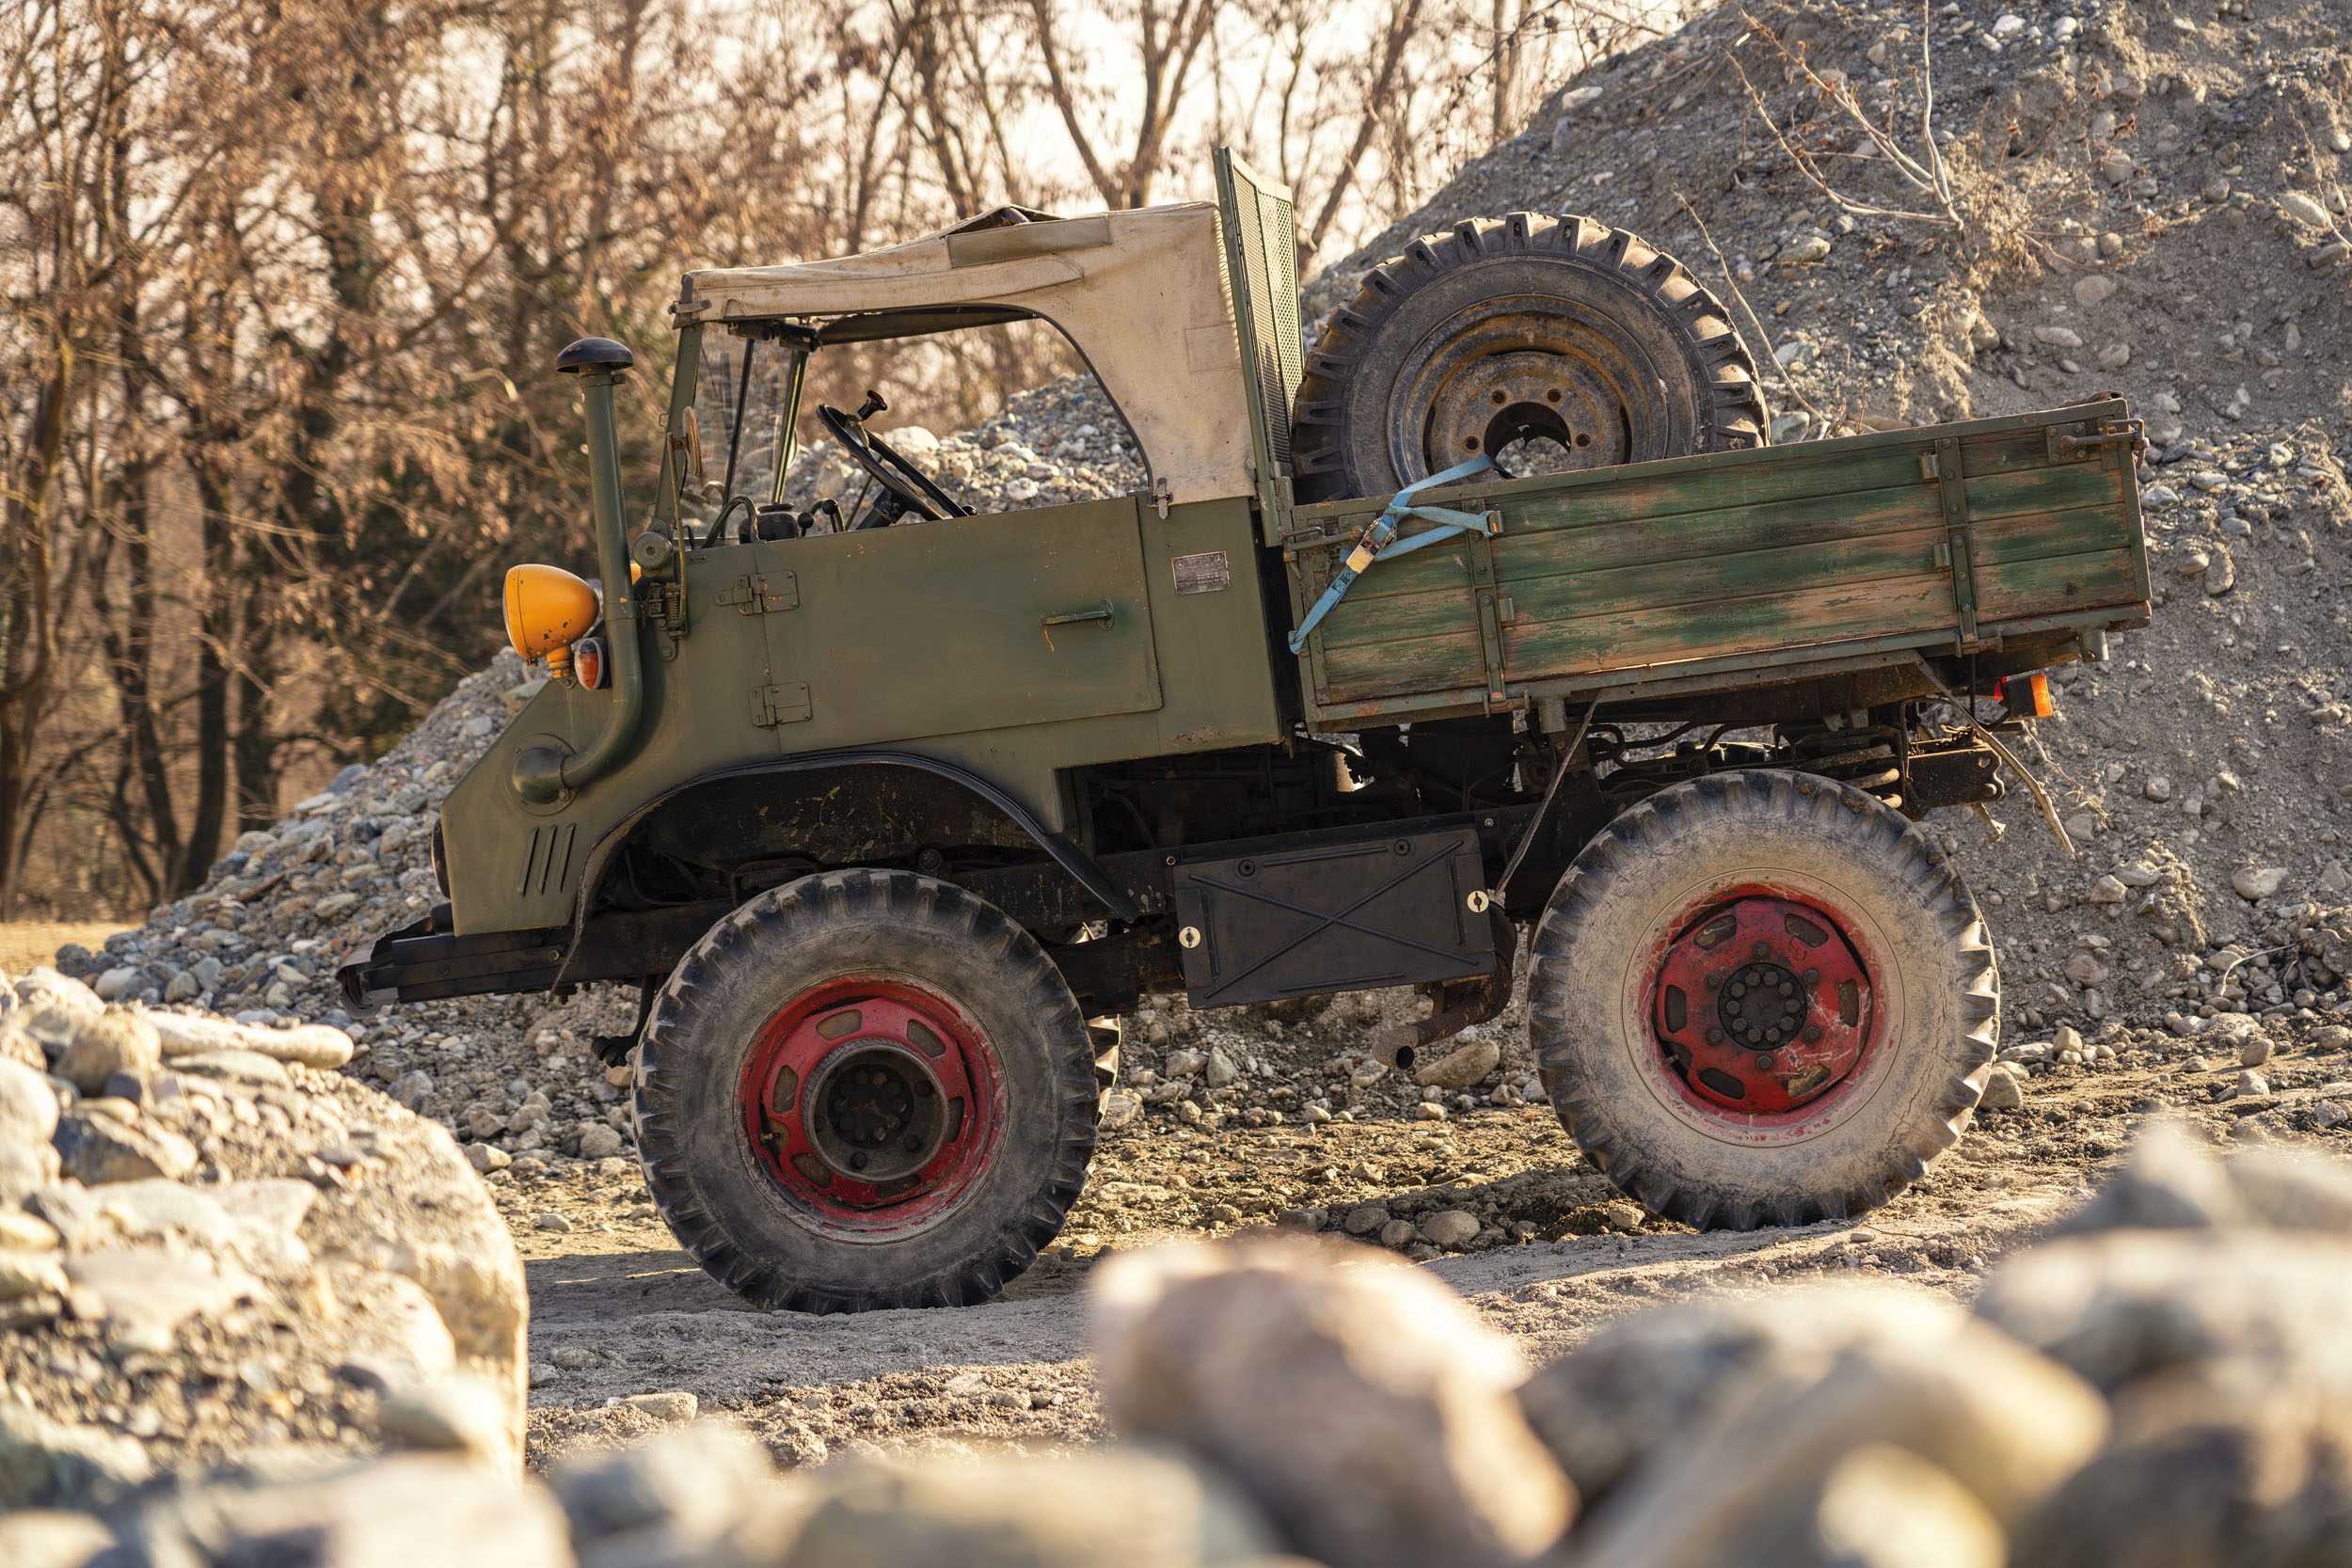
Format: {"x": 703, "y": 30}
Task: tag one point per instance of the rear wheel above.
{"x": 1762, "y": 997}
{"x": 1548, "y": 344}
{"x": 865, "y": 1089}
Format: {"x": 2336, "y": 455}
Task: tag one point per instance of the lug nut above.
{"x": 1763, "y": 1061}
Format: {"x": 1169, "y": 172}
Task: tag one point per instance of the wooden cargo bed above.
{"x": 1943, "y": 539}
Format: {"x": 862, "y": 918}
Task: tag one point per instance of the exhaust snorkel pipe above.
{"x": 542, "y": 773}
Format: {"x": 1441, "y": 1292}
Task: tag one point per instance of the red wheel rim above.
{"x": 874, "y": 1104}
{"x": 1766, "y": 1007}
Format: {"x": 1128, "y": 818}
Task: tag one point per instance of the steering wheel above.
{"x": 905, "y": 487}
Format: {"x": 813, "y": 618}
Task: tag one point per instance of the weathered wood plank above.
{"x": 2055, "y": 489}
{"x": 2053, "y": 585}
{"x": 2079, "y": 532}
{"x": 1630, "y": 639}
{"x": 1403, "y": 665}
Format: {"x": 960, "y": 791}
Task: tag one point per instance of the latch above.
{"x": 780, "y": 704}
{"x": 2064, "y": 446}
{"x": 758, "y": 593}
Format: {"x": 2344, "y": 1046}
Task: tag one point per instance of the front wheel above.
{"x": 1762, "y": 997}
{"x": 865, "y": 1089}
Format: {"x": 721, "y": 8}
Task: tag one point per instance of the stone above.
{"x": 1119, "y": 1112}
{"x": 310, "y": 1045}
{"x": 2138, "y": 874}
{"x": 2303, "y": 209}
{"x": 1364, "y": 1219}
{"x": 1108, "y": 1505}
{"x": 1882, "y": 1505}
{"x": 1450, "y": 1228}
{"x": 675, "y": 1406}
{"x": 553, "y": 1221}
{"x": 1806, "y": 250}
{"x": 52, "y": 1538}
{"x": 2058, "y": 337}
{"x": 94, "y": 1150}
{"x": 245, "y": 1066}
{"x": 2094, "y": 289}
{"x": 1465, "y": 1067}
{"x": 116, "y": 1040}
{"x": 45, "y": 1463}
{"x": 2008, "y": 1424}
{"x": 28, "y": 1106}
{"x": 1362, "y": 1406}
{"x": 1398, "y": 1233}
{"x": 1790, "y": 426}
{"x": 2254, "y": 1050}
{"x": 1300, "y": 1219}
{"x": 1619, "y": 1403}
{"x": 2250, "y": 1086}
{"x": 599, "y": 1141}
{"x": 23, "y": 1233}
{"x": 455, "y": 1414}
{"x": 2255, "y": 883}
{"x": 29, "y": 1274}
{"x": 2221, "y": 576}
{"x": 1220, "y": 1070}
{"x": 2107, "y": 890}
{"x": 2116, "y": 165}
{"x": 2003, "y": 1089}
{"x": 43, "y": 987}
{"x": 120, "y": 982}
{"x": 677, "y": 1498}
{"x": 1982, "y": 334}
{"x": 1184, "y": 1064}
{"x": 409, "y": 1089}
{"x": 485, "y": 1158}
{"x": 406, "y": 1509}
{"x": 2114, "y": 357}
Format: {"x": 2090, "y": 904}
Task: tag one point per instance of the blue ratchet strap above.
{"x": 1379, "y": 540}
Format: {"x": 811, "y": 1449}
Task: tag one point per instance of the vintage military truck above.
{"x": 1491, "y": 622}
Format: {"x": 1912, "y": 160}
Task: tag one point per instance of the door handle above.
{"x": 1079, "y": 617}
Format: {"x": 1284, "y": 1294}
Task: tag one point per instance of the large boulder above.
{"x": 1356, "y": 1400}
{"x": 229, "y": 1253}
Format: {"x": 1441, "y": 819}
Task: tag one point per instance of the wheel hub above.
{"x": 1763, "y": 1004}
{"x": 1575, "y": 388}
{"x": 872, "y": 1101}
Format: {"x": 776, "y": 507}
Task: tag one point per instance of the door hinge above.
{"x": 759, "y": 594}
{"x": 780, "y": 704}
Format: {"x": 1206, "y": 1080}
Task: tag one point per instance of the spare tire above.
{"x": 1548, "y": 344}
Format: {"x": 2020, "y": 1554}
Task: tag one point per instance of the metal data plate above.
{"x": 1392, "y": 910}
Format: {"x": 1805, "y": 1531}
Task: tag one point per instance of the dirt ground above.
{"x": 618, "y": 1310}
{"x": 24, "y": 943}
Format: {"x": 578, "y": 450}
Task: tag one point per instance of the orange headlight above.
{"x": 548, "y": 610}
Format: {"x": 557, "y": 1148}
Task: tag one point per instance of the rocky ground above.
{"x": 2159, "y": 1380}
{"x": 2139, "y": 198}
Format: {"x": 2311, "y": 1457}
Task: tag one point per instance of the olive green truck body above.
{"x": 1061, "y": 708}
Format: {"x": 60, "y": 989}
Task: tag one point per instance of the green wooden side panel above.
{"x": 1633, "y": 571}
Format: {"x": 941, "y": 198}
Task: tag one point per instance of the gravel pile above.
{"x": 217, "y": 1248}
{"x": 2159, "y": 1382}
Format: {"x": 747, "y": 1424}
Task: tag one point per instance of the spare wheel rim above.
{"x": 874, "y": 1105}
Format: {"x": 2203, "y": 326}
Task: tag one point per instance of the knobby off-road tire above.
{"x": 1494, "y": 331}
{"x": 865, "y": 1089}
{"x": 1762, "y": 862}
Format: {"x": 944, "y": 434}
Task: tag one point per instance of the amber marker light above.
{"x": 2026, "y": 696}
{"x": 548, "y": 610}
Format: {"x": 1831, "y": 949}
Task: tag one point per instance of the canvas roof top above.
{"x": 1140, "y": 295}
